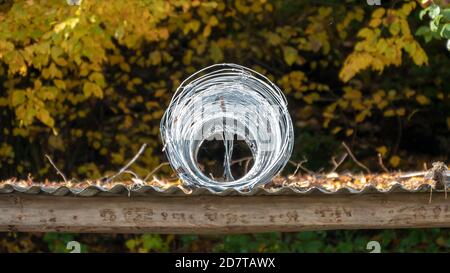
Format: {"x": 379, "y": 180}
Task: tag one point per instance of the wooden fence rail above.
{"x": 214, "y": 214}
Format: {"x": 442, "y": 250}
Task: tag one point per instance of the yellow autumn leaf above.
{"x": 5, "y": 47}
{"x": 310, "y": 98}
{"x": 400, "y": 112}
{"x": 60, "y": 84}
{"x": 389, "y": 113}
{"x": 290, "y": 55}
{"x": 352, "y": 94}
{"x": 421, "y": 99}
{"x": 216, "y": 52}
{"x": 71, "y": 23}
{"x": 382, "y": 150}
{"x": 90, "y": 88}
{"x": 192, "y": 25}
{"x": 375, "y": 22}
{"x": 18, "y": 97}
{"x": 407, "y": 8}
{"x": 336, "y": 130}
{"x": 409, "y": 93}
{"x": 361, "y": 116}
{"x": 365, "y": 33}
{"x": 213, "y": 21}
{"x": 44, "y": 116}
{"x": 378, "y": 13}
{"x": 97, "y": 78}
{"x": 155, "y": 57}
{"x": 394, "y": 161}
{"x": 355, "y": 63}
{"x": 419, "y": 57}
{"x": 394, "y": 28}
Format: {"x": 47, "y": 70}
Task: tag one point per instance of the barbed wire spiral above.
{"x": 225, "y": 101}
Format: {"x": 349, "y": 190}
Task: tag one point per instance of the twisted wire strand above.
{"x": 222, "y": 101}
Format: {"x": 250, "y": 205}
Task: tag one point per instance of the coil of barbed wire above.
{"x": 227, "y": 101}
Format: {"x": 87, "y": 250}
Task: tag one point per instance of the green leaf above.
{"x": 421, "y": 31}
{"x": 433, "y": 26}
{"x": 446, "y": 14}
{"x": 434, "y": 11}
{"x": 423, "y": 12}
{"x": 445, "y": 32}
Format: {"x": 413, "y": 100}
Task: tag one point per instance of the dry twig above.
{"x": 247, "y": 165}
{"x": 240, "y": 160}
{"x": 299, "y": 165}
{"x": 247, "y": 161}
{"x": 56, "y": 168}
{"x": 354, "y": 158}
{"x": 133, "y": 174}
{"x": 380, "y": 161}
{"x": 124, "y": 168}
{"x": 337, "y": 164}
{"x": 155, "y": 170}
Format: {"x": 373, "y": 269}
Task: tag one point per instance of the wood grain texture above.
{"x": 212, "y": 214}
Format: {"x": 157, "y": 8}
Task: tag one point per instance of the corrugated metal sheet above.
{"x": 121, "y": 189}
{"x": 293, "y": 185}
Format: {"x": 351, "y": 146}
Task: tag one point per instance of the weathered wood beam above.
{"x": 213, "y": 214}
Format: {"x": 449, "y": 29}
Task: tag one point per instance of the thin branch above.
{"x": 247, "y": 164}
{"x": 56, "y": 168}
{"x": 354, "y": 158}
{"x": 413, "y": 174}
{"x": 156, "y": 169}
{"x": 240, "y": 160}
{"x": 247, "y": 161}
{"x": 337, "y": 164}
{"x": 133, "y": 174}
{"x": 299, "y": 165}
{"x": 296, "y": 169}
{"x": 124, "y": 168}
{"x": 137, "y": 181}
{"x": 380, "y": 161}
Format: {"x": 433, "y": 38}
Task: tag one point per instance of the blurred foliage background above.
{"x": 87, "y": 84}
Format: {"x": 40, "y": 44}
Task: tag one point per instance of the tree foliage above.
{"x": 439, "y": 22}
{"x": 88, "y": 85}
